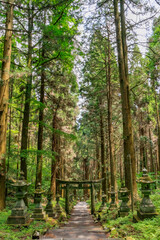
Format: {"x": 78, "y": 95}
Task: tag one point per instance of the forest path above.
{"x": 80, "y": 226}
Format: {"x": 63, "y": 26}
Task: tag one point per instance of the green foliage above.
{"x": 15, "y": 233}
{"x": 8, "y": 232}
{"x": 123, "y": 227}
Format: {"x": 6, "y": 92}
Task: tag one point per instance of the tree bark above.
{"x": 25, "y": 125}
{"x": 55, "y": 155}
{"x": 86, "y": 175}
{"x": 142, "y": 144}
{"x": 40, "y": 127}
{"x": 4, "y": 97}
{"x": 151, "y": 152}
{"x": 110, "y": 126}
{"x": 124, "y": 87}
{"x": 103, "y": 162}
{"x": 10, "y": 129}
{"x": 98, "y": 164}
{"x": 158, "y": 125}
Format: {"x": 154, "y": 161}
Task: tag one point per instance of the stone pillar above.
{"x": 67, "y": 199}
{"x": 92, "y": 199}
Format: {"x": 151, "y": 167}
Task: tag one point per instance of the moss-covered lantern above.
{"x": 38, "y": 213}
{"x": 49, "y": 207}
{"x": 146, "y": 209}
{"x": 113, "y": 204}
{"x": 19, "y": 215}
{"x": 124, "y": 196}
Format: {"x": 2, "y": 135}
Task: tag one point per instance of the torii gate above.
{"x": 79, "y": 185}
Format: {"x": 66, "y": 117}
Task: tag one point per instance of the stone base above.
{"x": 112, "y": 207}
{"x": 51, "y": 213}
{"x": 38, "y": 215}
{"x": 57, "y": 215}
{"x": 57, "y": 211}
{"x": 142, "y": 215}
{"x": 122, "y": 214}
{"x": 136, "y": 219}
{"x": 19, "y": 220}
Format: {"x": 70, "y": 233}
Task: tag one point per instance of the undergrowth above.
{"x": 8, "y": 232}
{"x": 125, "y": 228}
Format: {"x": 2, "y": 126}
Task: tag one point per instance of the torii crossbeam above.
{"x": 79, "y": 185}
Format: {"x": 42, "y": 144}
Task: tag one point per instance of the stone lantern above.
{"x": 38, "y": 213}
{"x": 57, "y": 208}
{"x": 49, "y": 208}
{"x": 19, "y": 215}
{"x": 147, "y": 209}
{"x": 124, "y": 196}
{"x": 113, "y": 204}
{"x": 102, "y": 207}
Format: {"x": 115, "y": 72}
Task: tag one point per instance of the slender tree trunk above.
{"x": 10, "y": 129}
{"x": 103, "y": 162}
{"x": 151, "y": 152}
{"x": 86, "y": 175}
{"x": 110, "y": 126}
{"x": 98, "y": 164}
{"x": 58, "y": 159}
{"x": 55, "y": 156}
{"x": 158, "y": 124}
{"x": 121, "y": 168}
{"x": 40, "y": 127}
{"x": 9, "y": 135}
{"x": 4, "y": 97}
{"x": 19, "y": 134}
{"x": 142, "y": 144}
{"x": 62, "y": 170}
{"x": 25, "y": 125}
{"x": 108, "y": 169}
{"x": 124, "y": 87}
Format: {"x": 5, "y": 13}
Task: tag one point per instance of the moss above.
{"x": 123, "y": 227}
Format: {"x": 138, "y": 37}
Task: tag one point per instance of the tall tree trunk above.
{"x": 9, "y": 134}
{"x": 86, "y": 175}
{"x": 40, "y": 127}
{"x": 98, "y": 164}
{"x": 158, "y": 125}
{"x": 25, "y": 125}
{"x": 151, "y": 152}
{"x": 124, "y": 87}
{"x": 121, "y": 168}
{"x": 19, "y": 134}
{"x": 4, "y": 97}
{"x": 55, "y": 155}
{"x": 142, "y": 144}
{"x": 10, "y": 129}
{"x": 110, "y": 126}
{"x": 103, "y": 162}
{"x": 58, "y": 160}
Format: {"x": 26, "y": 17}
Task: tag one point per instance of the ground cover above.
{"x": 123, "y": 227}
{"x": 8, "y": 232}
